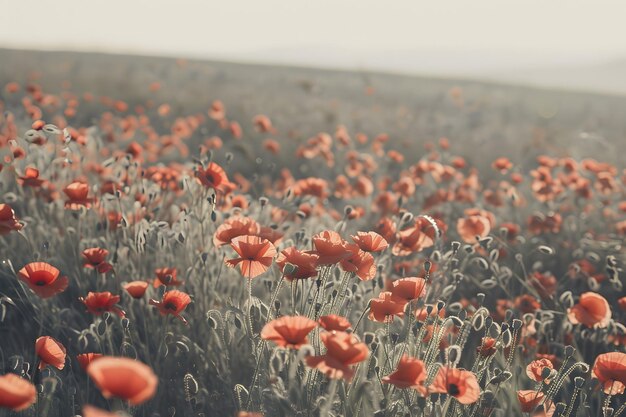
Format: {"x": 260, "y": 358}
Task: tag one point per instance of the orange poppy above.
{"x": 167, "y": 277}
{"x": 370, "y": 241}
{"x": 410, "y": 373}
{"x": 610, "y": 370}
{"x": 84, "y": 359}
{"x": 408, "y": 289}
{"x": 99, "y": 302}
{"x": 50, "y": 352}
{"x": 458, "y": 383}
{"x": 330, "y": 247}
{"x": 334, "y": 322}
{"x": 16, "y": 392}
{"x": 8, "y": 221}
{"x": 234, "y": 227}
{"x": 529, "y": 401}
{"x": 488, "y": 347}
{"x": 305, "y": 263}
{"x": 124, "y": 378}
{"x": 255, "y": 255}
{"x": 77, "y": 194}
{"x": 289, "y": 331}
{"x": 472, "y": 226}
{"x": 31, "y": 178}
{"x": 536, "y": 367}
{"x": 174, "y": 302}
{"x": 359, "y": 262}
{"x": 592, "y": 310}
{"x": 385, "y": 307}
{"x": 43, "y": 279}
{"x": 96, "y": 258}
{"x": 214, "y": 176}
{"x": 136, "y": 289}
{"x": 342, "y": 350}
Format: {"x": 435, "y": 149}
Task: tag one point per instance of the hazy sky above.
{"x": 245, "y": 29}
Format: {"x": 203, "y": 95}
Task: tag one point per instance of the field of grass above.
{"x": 193, "y": 238}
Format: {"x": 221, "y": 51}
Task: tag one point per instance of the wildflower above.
{"x": 174, "y": 302}
{"x": 458, "y": 383}
{"x": 610, "y": 370}
{"x": 77, "y": 193}
{"x": 136, "y": 289}
{"x": 410, "y": 373}
{"x": 527, "y": 303}
{"x": 84, "y": 359}
{"x": 385, "y": 307}
{"x": 124, "y": 378}
{"x": 408, "y": 289}
{"x": 167, "y": 277}
{"x": 334, "y": 322}
{"x": 31, "y": 178}
{"x": 95, "y": 258}
{"x": 305, "y": 263}
{"x": 288, "y": 331}
{"x": 8, "y": 221}
{"x": 502, "y": 165}
{"x": 342, "y": 350}
{"x": 234, "y": 227}
{"x": 534, "y": 370}
{"x": 530, "y": 399}
{"x": 419, "y": 236}
{"x": 16, "y": 393}
{"x": 330, "y": 247}
{"x": 370, "y": 241}
{"x": 592, "y": 310}
{"x": 256, "y": 255}
{"x": 473, "y": 226}
{"x": 488, "y": 347}
{"x": 359, "y": 262}
{"x": 50, "y": 352}
{"x": 99, "y": 302}
{"x": 43, "y": 279}
{"x": 214, "y": 176}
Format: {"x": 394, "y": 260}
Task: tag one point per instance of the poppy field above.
{"x": 146, "y": 271}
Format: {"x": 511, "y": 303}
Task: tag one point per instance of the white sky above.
{"x": 245, "y": 29}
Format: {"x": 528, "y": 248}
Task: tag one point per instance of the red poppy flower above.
{"x": 330, "y": 247}
{"x": 50, "y": 352}
{"x": 96, "y": 258}
{"x": 136, "y": 289}
{"x": 167, "y": 277}
{"x": 370, "y": 241}
{"x": 8, "y": 221}
{"x": 408, "y": 289}
{"x": 385, "y": 307}
{"x": 99, "y": 302}
{"x": 610, "y": 370}
{"x": 43, "y": 279}
{"x": 527, "y": 303}
{"x": 487, "y": 347}
{"x": 174, "y": 302}
{"x": 536, "y": 367}
{"x": 359, "y": 262}
{"x": 124, "y": 378}
{"x": 334, "y": 322}
{"x": 592, "y": 310}
{"x": 502, "y": 165}
{"x": 529, "y": 401}
{"x": 410, "y": 373}
{"x": 256, "y": 255}
{"x": 288, "y": 331}
{"x": 84, "y": 359}
{"x": 342, "y": 350}
{"x": 16, "y": 392}
{"x": 77, "y": 194}
{"x": 305, "y": 263}
{"x": 472, "y": 226}
{"x": 234, "y": 227}
{"x": 214, "y": 176}
{"x": 417, "y": 237}
{"x": 31, "y": 178}
{"x": 458, "y": 383}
